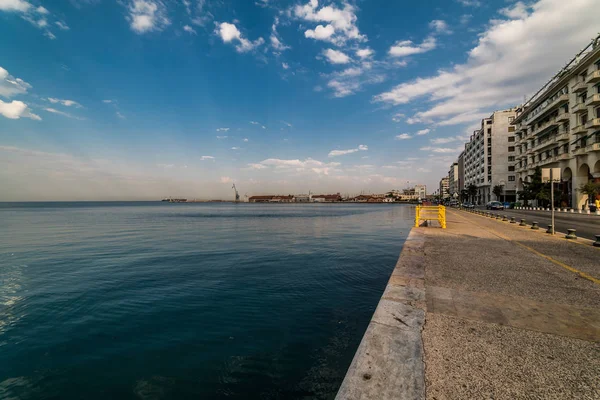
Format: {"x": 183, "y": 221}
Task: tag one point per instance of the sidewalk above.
{"x": 505, "y": 318}
{"x": 484, "y": 309}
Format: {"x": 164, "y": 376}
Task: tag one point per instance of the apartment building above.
{"x": 453, "y": 179}
{"x": 559, "y": 127}
{"x": 461, "y": 172}
{"x": 444, "y": 186}
{"x": 421, "y": 191}
{"x": 489, "y": 157}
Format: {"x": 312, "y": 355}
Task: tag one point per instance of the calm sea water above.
{"x": 188, "y": 301}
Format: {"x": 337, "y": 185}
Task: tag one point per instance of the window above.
{"x": 511, "y": 148}
{"x": 511, "y": 158}
{"x": 511, "y": 139}
{"x": 511, "y": 168}
{"x": 566, "y": 148}
{"x": 511, "y": 178}
{"x": 584, "y": 119}
{"x": 511, "y": 119}
{"x": 489, "y": 131}
{"x": 489, "y": 122}
{"x": 511, "y": 128}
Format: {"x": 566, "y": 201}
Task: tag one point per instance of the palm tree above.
{"x": 591, "y": 189}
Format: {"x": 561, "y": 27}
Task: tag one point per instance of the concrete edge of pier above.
{"x": 389, "y": 360}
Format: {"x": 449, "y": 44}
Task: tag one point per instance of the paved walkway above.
{"x": 511, "y": 312}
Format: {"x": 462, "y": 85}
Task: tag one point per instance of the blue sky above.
{"x": 141, "y": 99}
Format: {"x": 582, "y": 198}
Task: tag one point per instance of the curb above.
{"x": 389, "y": 361}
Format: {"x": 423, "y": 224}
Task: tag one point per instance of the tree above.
{"x": 472, "y": 190}
{"x": 498, "y": 190}
{"x": 464, "y": 195}
{"x": 591, "y": 189}
{"x": 536, "y": 189}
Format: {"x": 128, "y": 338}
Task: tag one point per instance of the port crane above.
{"x": 237, "y": 195}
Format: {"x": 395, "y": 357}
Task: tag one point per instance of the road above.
{"x": 586, "y": 226}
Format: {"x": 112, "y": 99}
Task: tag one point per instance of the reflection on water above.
{"x": 155, "y": 301}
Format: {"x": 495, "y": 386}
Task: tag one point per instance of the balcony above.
{"x": 562, "y": 136}
{"x": 579, "y": 87}
{"x": 593, "y": 100}
{"x": 545, "y": 161}
{"x": 593, "y": 123}
{"x": 561, "y": 157}
{"x": 546, "y": 127}
{"x": 579, "y": 108}
{"x": 557, "y": 102}
{"x": 579, "y": 129}
{"x": 563, "y": 117}
{"x": 578, "y": 151}
{"x": 593, "y": 77}
{"x": 592, "y": 147}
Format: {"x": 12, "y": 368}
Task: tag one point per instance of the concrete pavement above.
{"x": 503, "y": 312}
{"x": 505, "y": 318}
{"x": 587, "y": 226}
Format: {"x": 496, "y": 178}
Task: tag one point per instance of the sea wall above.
{"x": 389, "y": 361}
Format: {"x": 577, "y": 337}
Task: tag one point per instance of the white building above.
{"x": 421, "y": 191}
{"x": 560, "y": 128}
{"x": 489, "y": 158}
{"x": 444, "y": 186}
{"x": 453, "y": 180}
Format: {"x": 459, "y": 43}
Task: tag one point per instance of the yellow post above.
{"x": 417, "y": 217}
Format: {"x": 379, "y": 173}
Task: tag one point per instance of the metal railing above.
{"x": 430, "y": 213}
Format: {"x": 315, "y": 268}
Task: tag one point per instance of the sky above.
{"x": 146, "y": 99}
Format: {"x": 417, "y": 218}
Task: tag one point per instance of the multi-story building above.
{"x": 559, "y": 127}
{"x": 489, "y": 158}
{"x": 461, "y": 172}
{"x": 421, "y": 191}
{"x": 444, "y": 186}
{"x": 453, "y": 180}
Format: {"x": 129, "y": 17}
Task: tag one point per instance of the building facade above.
{"x": 490, "y": 156}
{"x": 461, "y": 172}
{"x": 453, "y": 180}
{"x": 444, "y": 186}
{"x": 421, "y": 191}
{"x": 560, "y": 128}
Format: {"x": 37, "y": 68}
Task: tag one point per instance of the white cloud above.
{"x": 440, "y": 26}
{"x": 246, "y": 140}
{"x": 403, "y": 136}
{"x": 189, "y": 29}
{"x": 235, "y": 148}
{"x": 264, "y": 127}
{"x": 516, "y": 11}
{"x": 341, "y": 20}
{"x": 336, "y": 153}
{"x": 423, "y": 132}
{"x": 321, "y": 32}
{"x": 257, "y": 166}
{"x": 50, "y": 35}
{"x": 470, "y": 3}
{"x": 336, "y": 56}
{"x": 14, "y": 5}
{"x": 222, "y": 129}
{"x": 16, "y": 109}
{"x": 226, "y": 179}
{"x": 11, "y": 86}
{"x": 442, "y": 150}
{"x": 229, "y": 33}
{"x": 147, "y": 16}
{"x": 407, "y": 47}
{"x": 254, "y": 123}
{"x": 308, "y": 165}
{"x": 364, "y": 53}
{"x": 222, "y": 137}
{"x": 285, "y": 66}
{"x": 449, "y": 139}
{"x": 204, "y": 158}
{"x": 465, "y": 19}
{"x": 62, "y": 26}
{"x": 276, "y": 42}
{"x": 67, "y": 103}
{"x": 286, "y": 123}
{"x": 64, "y": 114}
{"x": 119, "y": 115}
{"x": 107, "y": 101}
{"x": 510, "y": 60}
{"x": 39, "y": 10}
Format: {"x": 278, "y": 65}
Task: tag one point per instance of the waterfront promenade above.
{"x": 484, "y": 309}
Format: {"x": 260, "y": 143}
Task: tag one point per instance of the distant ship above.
{"x": 170, "y": 200}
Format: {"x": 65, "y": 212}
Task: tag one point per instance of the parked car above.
{"x": 468, "y": 205}
{"x": 494, "y": 205}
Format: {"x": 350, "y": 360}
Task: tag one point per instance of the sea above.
{"x": 151, "y": 300}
